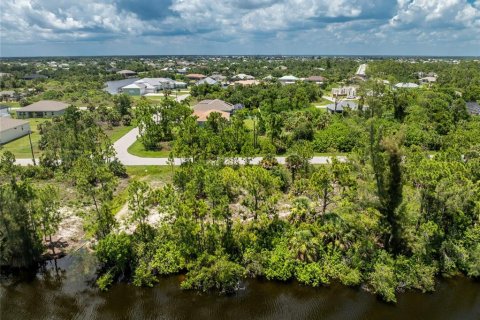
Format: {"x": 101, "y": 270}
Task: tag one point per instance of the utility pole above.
{"x": 31, "y": 147}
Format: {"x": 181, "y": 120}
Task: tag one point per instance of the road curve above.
{"x": 122, "y": 144}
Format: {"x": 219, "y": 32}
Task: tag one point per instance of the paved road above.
{"x": 122, "y": 144}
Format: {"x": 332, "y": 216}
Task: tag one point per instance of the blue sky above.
{"x": 117, "y": 27}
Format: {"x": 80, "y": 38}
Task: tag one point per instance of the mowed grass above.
{"x": 117, "y": 132}
{"x": 21, "y": 147}
{"x": 138, "y": 150}
{"x": 151, "y": 173}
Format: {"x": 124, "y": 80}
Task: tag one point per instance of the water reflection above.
{"x": 65, "y": 290}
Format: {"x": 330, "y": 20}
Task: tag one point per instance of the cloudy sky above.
{"x": 96, "y": 27}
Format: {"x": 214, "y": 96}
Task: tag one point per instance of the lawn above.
{"x": 321, "y": 102}
{"x": 150, "y": 173}
{"x": 137, "y": 149}
{"x": 117, "y": 132}
{"x": 21, "y": 147}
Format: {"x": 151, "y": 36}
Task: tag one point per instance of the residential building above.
{"x": 10, "y": 95}
{"x": 34, "y": 76}
{"x": 218, "y": 77}
{"x": 5, "y": 74}
{"x": 203, "y": 115}
{"x": 288, "y": 79}
{"x": 246, "y": 82}
{"x": 406, "y": 85}
{"x": 473, "y": 108}
{"x": 341, "y": 106}
{"x": 42, "y": 109}
{"x": 195, "y": 76}
{"x": 243, "y": 76}
{"x": 348, "y": 92}
{"x": 217, "y": 104}
{"x": 11, "y": 129}
{"x": 206, "y": 80}
{"x": 143, "y": 86}
{"x": 427, "y": 80}
{"x": 127, "y": 73}
{"x": 316, "y": 79}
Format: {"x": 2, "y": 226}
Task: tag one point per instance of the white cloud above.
{"x": 262, "y": 24}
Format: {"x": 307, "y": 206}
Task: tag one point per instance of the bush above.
{"x": 214, "y": 273}
{"x": 311, "y": 274}
{"x": 280, "y": 264}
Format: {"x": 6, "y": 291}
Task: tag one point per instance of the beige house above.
{"x": 205, "y": 107}
{"x": 11, "y": 129}
{"x": 43, "y": 109}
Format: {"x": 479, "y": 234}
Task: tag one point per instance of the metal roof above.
{"x": 45, "y": 105}
{"x": 9, "y": 123}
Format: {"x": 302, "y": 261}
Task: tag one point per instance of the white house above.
{"x": 151, "y": 85}
{"x": 349, "y": 92}
{"x": 406, "y": 85}
{"x": 11, "y": 129}
{"x": 288, "y": 79}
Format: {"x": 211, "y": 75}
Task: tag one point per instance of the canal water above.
{"x": 67, "y": 291}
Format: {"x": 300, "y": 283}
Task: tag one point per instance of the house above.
{"x": 349, "y": 92}
{"x": 127, "y": 73}
{"x": 316, "y": 79}
{"x": 288, "y": 79}
{"x": 203, "y": 115}
{"x": 243, "y": 76}
{"x": 34, "y": 76}
{"x": 473, "y": 108}
{"x": 341, "y": 106}
{"x": 218, "y": 77}
{"x": 5, "y": 74}
{"x": 143, "y": 86}
{"x": 206, "y": 80}
{"x": 406, "y": 85}
{"x": 11, "y": 129}
{"x": 135, "y": 89}
{"x": 9, "y": 96}
{"x": 42, "y": 109}
{"x": 217, "y": 104}
{"x": 195, "y": 76}
{"x": 114, "y": 87}
{"x": 246, "y": 82}
{"x": 182, "y": 70}
{"x": 428, "y": 80}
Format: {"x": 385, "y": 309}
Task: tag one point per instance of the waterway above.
{"x": 68, "y": 291}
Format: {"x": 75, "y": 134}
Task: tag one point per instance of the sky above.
{"x": 240, "y": 27}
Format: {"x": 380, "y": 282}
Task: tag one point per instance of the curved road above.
{"x": 122, "y": 144}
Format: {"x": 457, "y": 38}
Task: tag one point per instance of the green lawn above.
{"x": 21, "y": 147}
{"x": 137, "y": 149}
{"x": 117, "y": 132}
{"x": 321, "y": 102}
{"x": 150, "y": 173}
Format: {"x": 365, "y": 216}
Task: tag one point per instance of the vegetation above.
{"x": 403, "y": 208}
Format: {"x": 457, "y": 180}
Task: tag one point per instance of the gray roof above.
{"x": 8, "y": 123}
{"x": 113, "y": 87}
{"x": 45, "y": 105}
{"x": 473, "y": 108}
{"x": 207, "y": 80}
{"x": 341, "y": 105}
{"x": 217, "y": 104}
{"x": 126, "y": 72}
